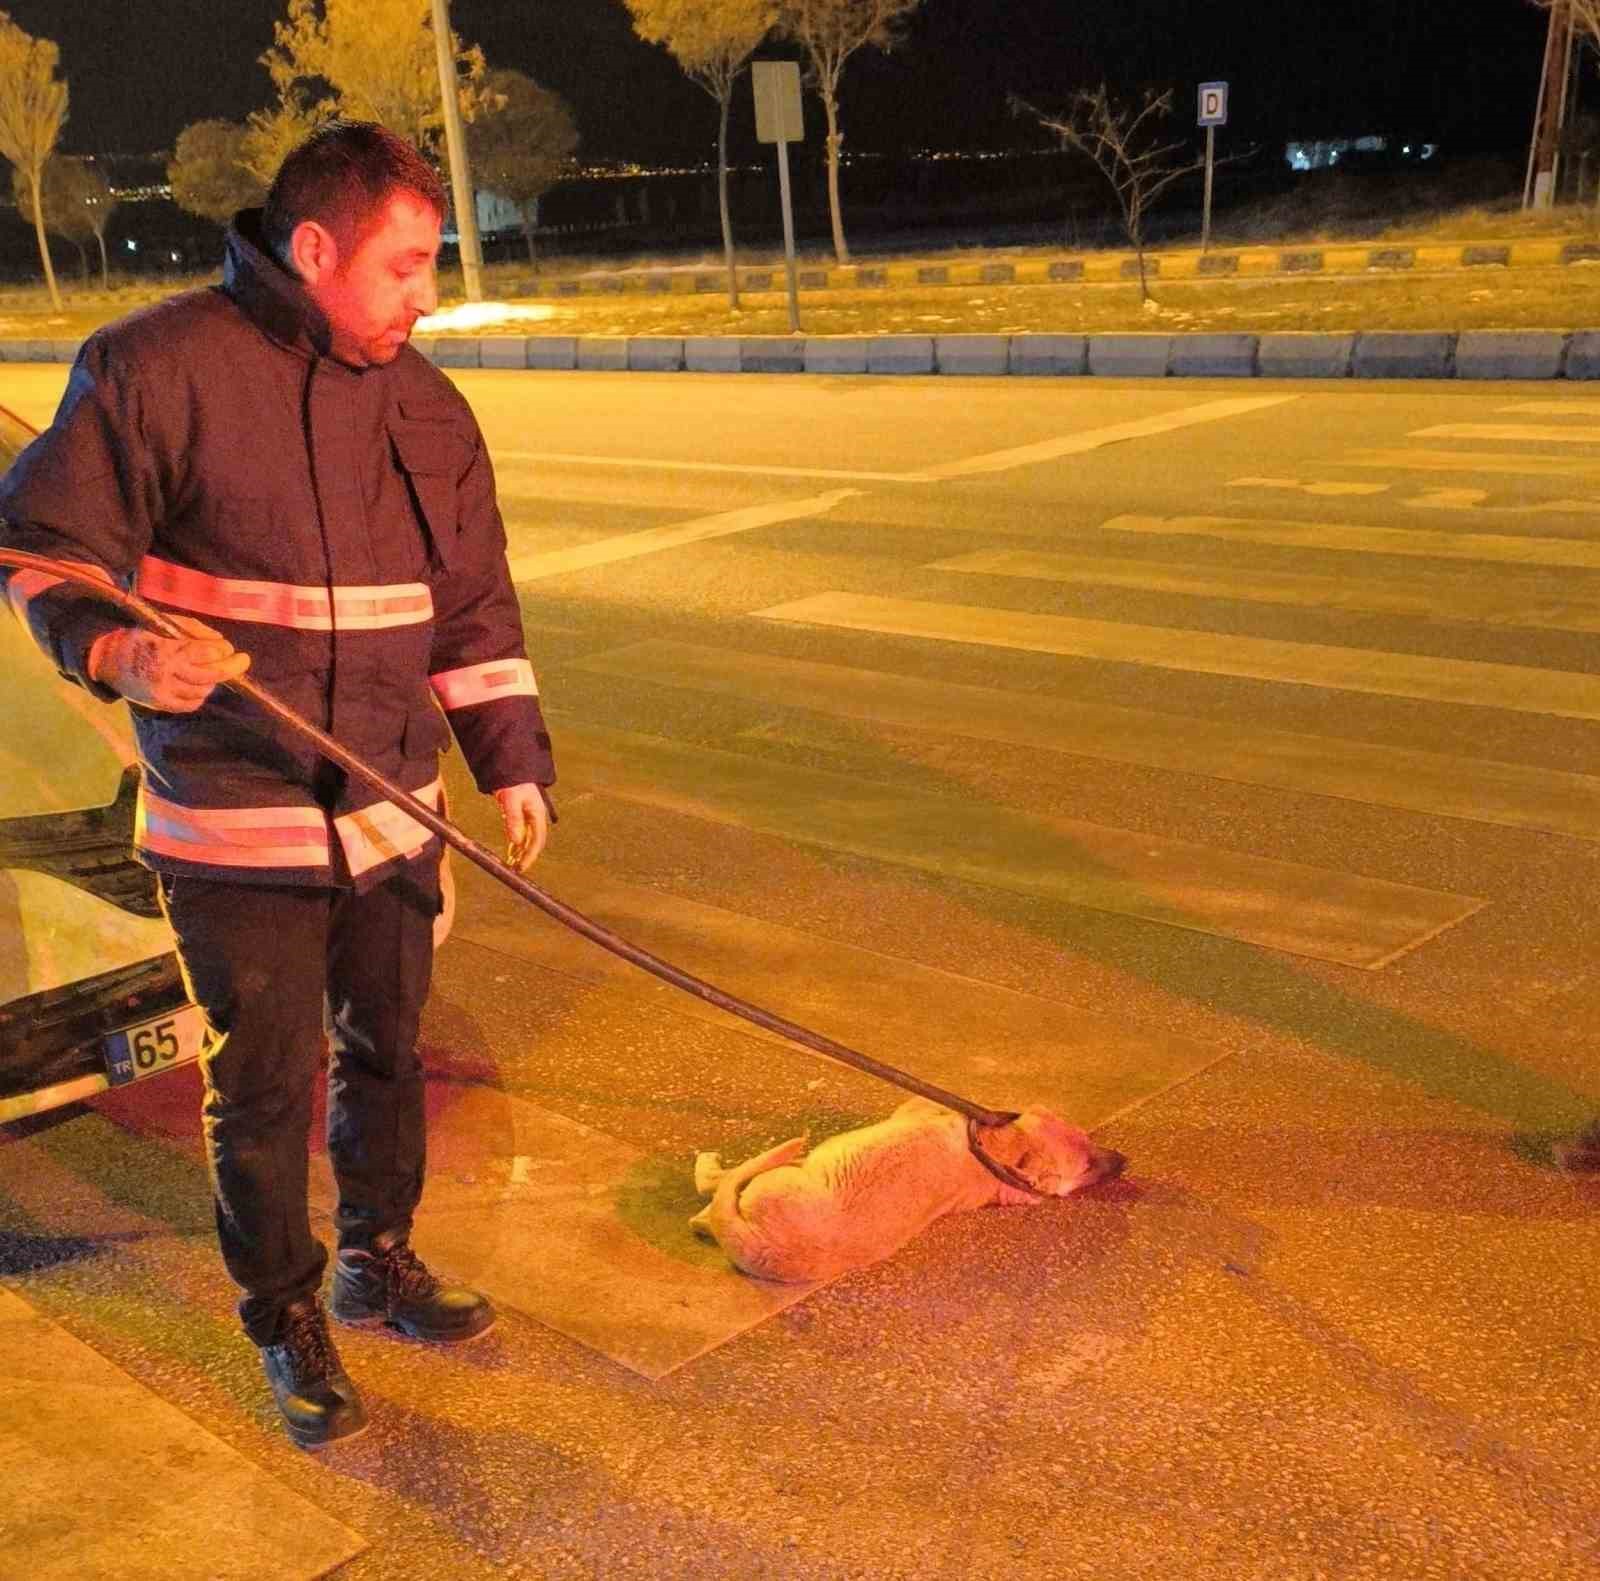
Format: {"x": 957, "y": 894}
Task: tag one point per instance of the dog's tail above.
{"x": 739, "y": 1238}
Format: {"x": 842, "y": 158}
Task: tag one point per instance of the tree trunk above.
{"x": 83, "y": 262}
{"x": 35, "y": 182}
{"x": 726, "y": 100}
{"x": 830, "y": 106}
{"x": 105, "y": 266}
{"x": 530, "y": 223}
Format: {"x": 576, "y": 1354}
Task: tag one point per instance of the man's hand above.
{"x": 173, "y": 675}
{"x": 528, "y": 815}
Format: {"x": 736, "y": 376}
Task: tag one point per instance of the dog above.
{"x": 797, "y": 1217}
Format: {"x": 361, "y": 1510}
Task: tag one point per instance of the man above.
{"x": 272, "y": 457}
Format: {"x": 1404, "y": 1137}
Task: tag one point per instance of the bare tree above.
{"x": 1584, "y": 17}
{"x": 1124, "y": 140}
{"x": 208, "y": 172}
{"x": 77, "y": 202}
{"x": 712, "y": 40}
{"x": 523, "y": 145}
{"x": 33, "y": 106}
{"x": 830, "y": 32}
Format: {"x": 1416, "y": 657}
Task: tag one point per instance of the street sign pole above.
{"x": 780, "y": 119}
{"x": 455, "y": 141}
{"x": 1213, "y": 113}
{"x": 788, "y": 237}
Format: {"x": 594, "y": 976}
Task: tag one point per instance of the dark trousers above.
{"x": 275, "y": 969}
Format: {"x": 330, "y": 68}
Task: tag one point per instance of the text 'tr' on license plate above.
{"x": 154, "y": 1046}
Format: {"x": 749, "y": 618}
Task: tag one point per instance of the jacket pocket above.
{"x": 429, "y": 454}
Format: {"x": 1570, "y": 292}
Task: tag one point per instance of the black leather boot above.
{"x": 318, "y": 1401}
{"x": 391, "y": 1284}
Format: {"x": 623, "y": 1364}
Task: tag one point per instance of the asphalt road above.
{"x": 1213, "y": 761}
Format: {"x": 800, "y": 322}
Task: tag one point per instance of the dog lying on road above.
{"x": 794, "y": 1216}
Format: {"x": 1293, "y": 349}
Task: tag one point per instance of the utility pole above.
{"x": 455, "y": 143}
{"x": 1549, "y": 122}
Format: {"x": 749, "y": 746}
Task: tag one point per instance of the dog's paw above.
{"x": 700, "y": 1224}
{"x": 708, "y": 1171}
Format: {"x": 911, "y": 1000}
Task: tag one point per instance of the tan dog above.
{"x": 798, "y": 1217}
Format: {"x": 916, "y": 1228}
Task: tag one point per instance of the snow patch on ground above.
{"x": 476, "y": 315}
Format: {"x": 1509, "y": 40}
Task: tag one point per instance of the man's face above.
{"x": 374, "y": 297}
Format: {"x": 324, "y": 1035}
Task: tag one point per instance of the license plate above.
{"x": 151, "y": 1047}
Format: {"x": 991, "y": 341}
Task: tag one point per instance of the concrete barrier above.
{"x": 1213, "y": 356}
{"x": 711, "y": 354}
{"x": 900, "y": 354}
{"x": 1583, "y": 355}
{"x": 1130, "y": 356}
{"x": 974, "y": 354}
{"x": 772, "y": 354}
{"x": 503, "y": 351}
{"x": 836, "y": 354}
{"x": 1510, "y": 354}
{"x": 655, "y": 354}
{"x": 603, "y": 353}
{"x": 457, "y": 351}
{"x": 1049, "y": 355}
{"x": 552, "y": 351}
{"x": 1305, "y": 355}
{"x": 1403, "y": 354}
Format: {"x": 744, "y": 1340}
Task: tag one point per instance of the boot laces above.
{"x": 409, "y": 1276}
{"x": 309, "y": 1347}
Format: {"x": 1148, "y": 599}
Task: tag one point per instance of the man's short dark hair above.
{"x": 343, "y": 177}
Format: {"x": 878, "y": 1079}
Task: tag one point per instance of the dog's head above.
{"x": 1056, "y": 1158}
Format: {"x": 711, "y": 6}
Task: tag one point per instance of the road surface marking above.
{"x": 1497, "y": 462}
{"x": 629, "y": 546}
{"x": 736, "y": 469}
{"x": 1330, "y": 490}
{"x": 1518, "y": 688}
{"x": 1098, "y": 438}
{"x": 1437, "y": 783}
{"x": 1288, "y": 906}
{"x": 1526, "y": 432}
{"x": 1449, "y": 500}
{"x": 1589, "y": 408}
{"x": 1433, "y": 598}
{"x": 1497, "y": 548}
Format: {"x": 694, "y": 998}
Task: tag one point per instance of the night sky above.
{"x": 1464, "y": 74}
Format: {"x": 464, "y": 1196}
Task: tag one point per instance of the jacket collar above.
{"x": 267, "y": 293}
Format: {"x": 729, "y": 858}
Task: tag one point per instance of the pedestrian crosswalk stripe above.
{"x": 1438, "y": 783}
{"x": 1328, "y": 490}
{"x": 1526, "y": 432}
{"x": 1500, "y": 463}
{"x": 1518, "y": 688}
{"x": 1098, "y": 438}
{"x": 628, "y": 546}
{"x": 1311, "y": 911}
{"x": 1589, "y": 408}
{"x": 1433, "y": 598}
{"x": 1423, "y": 543}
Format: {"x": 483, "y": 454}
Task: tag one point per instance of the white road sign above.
{"x": 1213, "y": 104}
{"x": 779, "y": 117}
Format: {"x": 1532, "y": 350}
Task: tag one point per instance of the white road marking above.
{"x": 629, "y": 546}
{"x": 1497, "y": 548}
{"x": 1497, "y": 462}
{"x": 660, "y": 464}
{"x": 1098, "y": 438}
{"x": 1294, "y": 485}
{"x": 1526, "y": 432}
{"x": 1449, "y": 500}
{"x": 1517, "y": 688}
{"x": 1509, "y": 600}
{"x": 1589, "y": 408}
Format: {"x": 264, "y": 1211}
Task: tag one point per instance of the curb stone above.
{"x": 1536, "y": 355}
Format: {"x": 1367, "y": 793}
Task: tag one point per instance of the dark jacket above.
{"x": 339, "y": 525}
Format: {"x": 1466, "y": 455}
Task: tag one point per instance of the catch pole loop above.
{"x": 156, "y": 620}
